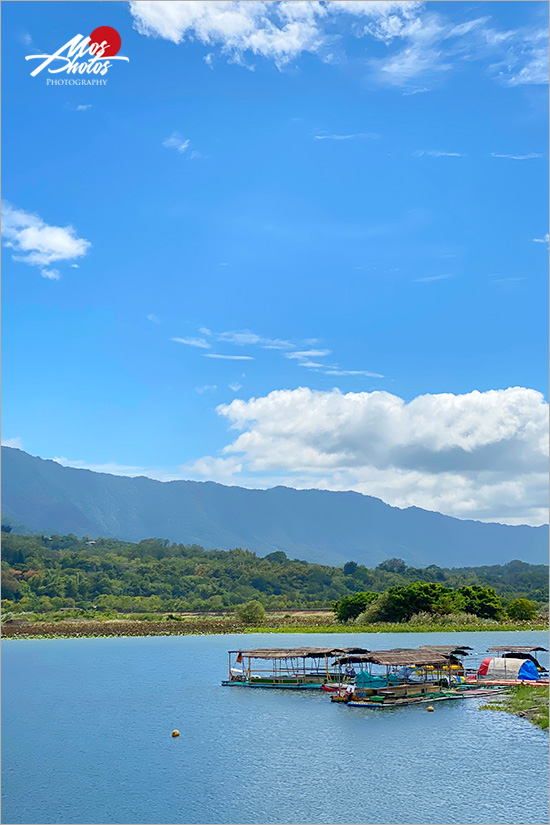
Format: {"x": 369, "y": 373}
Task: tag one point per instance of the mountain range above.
{"x": 315, "y": 525}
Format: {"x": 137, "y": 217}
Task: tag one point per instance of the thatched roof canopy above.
{"x": 515, "y": 649}
{"x": 447, "y": 650}
{"x": 400, "y": 657}
{"x": 297, "y": 652}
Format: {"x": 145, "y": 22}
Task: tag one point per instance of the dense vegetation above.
{"x": 41, "y": 574}
{"x": 419, "y": 599}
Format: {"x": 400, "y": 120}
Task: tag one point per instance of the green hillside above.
{"x": 41, "y": 574}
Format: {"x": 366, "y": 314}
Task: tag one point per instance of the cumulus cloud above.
{"x": 545, "y": 239}
{"x": 479, "y": 455}
{"x": 37, "y": 243}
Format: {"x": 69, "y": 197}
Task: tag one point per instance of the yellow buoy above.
{"x": 429, "y": 708}
{"x": 177, "y": 733}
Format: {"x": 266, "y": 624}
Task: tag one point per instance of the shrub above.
{"x": 349, "y": 607}
{"x": 251, "y": 613}
{"x": 522, "y": 610}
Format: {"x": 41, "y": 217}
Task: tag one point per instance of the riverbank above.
{"x": 527, "y": 702}
{"x": 205, "y": 626}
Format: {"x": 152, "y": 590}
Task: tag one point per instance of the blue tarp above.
{"x": 528, "y": 671}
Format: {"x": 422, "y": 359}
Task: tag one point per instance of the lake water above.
{"x": 86, "y": 738}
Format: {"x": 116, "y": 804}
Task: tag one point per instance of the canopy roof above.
{"x": 500, "y": 668}
{"x": 400, "y": 657}
{"x": 298, "y": 652}
{"x": 447, "y": 650}
{"x": 515, "y": 648}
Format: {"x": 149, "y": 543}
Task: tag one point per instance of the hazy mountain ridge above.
{"x": 315, "y": 525}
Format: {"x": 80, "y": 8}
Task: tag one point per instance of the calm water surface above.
{"x": 86, "y": 738}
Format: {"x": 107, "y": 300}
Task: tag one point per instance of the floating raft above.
{"x": 383, "y": 702}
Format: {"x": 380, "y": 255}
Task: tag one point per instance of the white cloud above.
{"x": 525, "y": 59}
{"x": 479, "y": 455}
{"x": 304, "y": 360}
{"x": 153, "y": 318}
{"x": 308, "y": 353}
{"x": 528, "y": 156}
{"x": 228, "y": 357}
{"x": 430, "y": 278}
{"x": 371, "y": 135}
{"x": 50, "y": 274}
{"x": 235, "y": 386}
{"x": 247, "y": 338}
{"x": 110, "y": 467}
{"x": 366, "y": 373}
{"x": 175, "y": 141}
{"x": 80, "y": 107}
{"x": 545, "y": 239}
{"x": 206, "y": 388}
{"x": 302, "y": 357}
{"x": 200, "y": 343}
{"x": 508, "y": 284}
{"x": 264, "y": 29}
{"x": 13, "y": 442}
{"x": 437, "y": 153}
{"x": 420, "y": 41}
{"x": 311, "y": 365}
{"x": 419, "y": 91}
{"x": 36, "y": 243}
{"x": 222, "y": 470}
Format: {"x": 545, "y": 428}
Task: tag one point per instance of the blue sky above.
{"x": 349, "y": 199}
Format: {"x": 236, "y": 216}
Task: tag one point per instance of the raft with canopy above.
{"x": 505, "y": 669}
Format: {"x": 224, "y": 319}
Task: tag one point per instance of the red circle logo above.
{"x": 107, "y": 35}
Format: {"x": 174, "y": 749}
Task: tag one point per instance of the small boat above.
{"x": 413, "y": 676}
{"x": 381, "y": 701}
{"x": 299, "y": 668}
{"x": 515, "y": 666}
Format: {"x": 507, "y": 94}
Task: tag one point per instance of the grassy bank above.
{"x": 188, "y": 624}
{"x": 524, "y": 701}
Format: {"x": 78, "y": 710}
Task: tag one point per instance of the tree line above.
{"x": 428, "y": 599}
{"x": 47, "y": 573}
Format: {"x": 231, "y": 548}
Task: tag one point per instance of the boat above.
{"x": 412, "y": 676}
{"x": 516, "y": 666}
{"x": 298, "y": 668}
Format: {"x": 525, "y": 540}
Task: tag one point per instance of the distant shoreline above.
{"x": 89, "y": 629}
